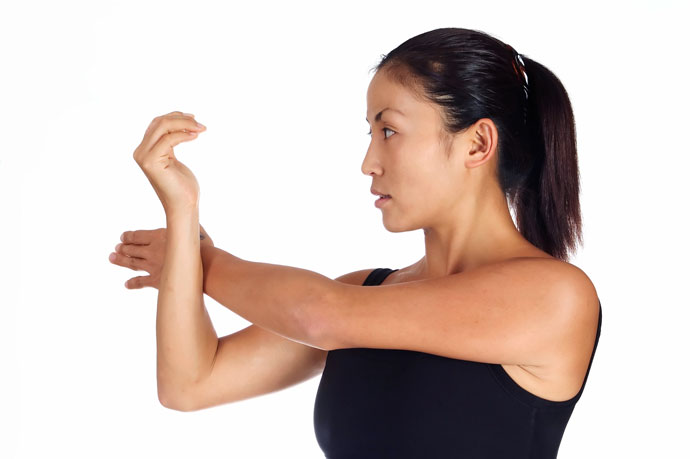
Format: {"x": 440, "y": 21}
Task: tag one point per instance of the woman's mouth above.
{"x": 382, "y": 200}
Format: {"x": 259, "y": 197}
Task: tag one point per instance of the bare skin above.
{"x": 444, "y": 185}
{"x": 260, "y": 355}
{"x": 248, "y": 363}
{"x": 147, "y": 255}
{"x": 555, "y": 382}
{"x": 450, "y": 191}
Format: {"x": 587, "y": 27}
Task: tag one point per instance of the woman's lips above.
{"x": 381, "y": 201}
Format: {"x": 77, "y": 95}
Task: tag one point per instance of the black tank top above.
{"x": 390, "y": 403}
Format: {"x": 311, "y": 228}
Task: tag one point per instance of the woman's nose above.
{"x": 370, "y": 164}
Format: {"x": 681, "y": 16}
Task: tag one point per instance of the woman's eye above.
{"x": 384, "y": 131}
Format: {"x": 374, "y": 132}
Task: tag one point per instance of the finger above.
{"x": 167, "y": 124}
{"x": 135, "y": 264}
{"x": 177, "y": 112}
{"x": 139, "y": 282}
{"x": 141, "y": 237}
{"x": 176, "y": 115}
{"x": 168, "y": 116}
{"x": 168, "y": 141}
{"x": 132, "y": 250}
{"x": 162, "y": 125}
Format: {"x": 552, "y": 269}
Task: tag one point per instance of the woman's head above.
{"x": 471, "y": 120}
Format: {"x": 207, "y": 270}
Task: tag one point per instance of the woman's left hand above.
{"x": 174, "y": 183}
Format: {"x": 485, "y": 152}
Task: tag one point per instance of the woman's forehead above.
{"x": 399, "y": 106}
{"x": 381, "y": 86}
{"x": 384, "y": 92}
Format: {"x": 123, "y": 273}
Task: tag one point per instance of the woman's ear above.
{"x": 482, "y": 142}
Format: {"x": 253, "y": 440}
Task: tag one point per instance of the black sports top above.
{"x": 391, "y": 403}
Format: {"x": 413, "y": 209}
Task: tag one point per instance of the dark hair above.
{"x": 472, "y": 75}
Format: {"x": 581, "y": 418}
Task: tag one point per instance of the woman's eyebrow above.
{"x": 378, "y": 115}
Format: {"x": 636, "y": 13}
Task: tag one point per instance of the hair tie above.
{"x": 519, "y": 67}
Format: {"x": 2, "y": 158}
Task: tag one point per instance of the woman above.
{"x": 478, "y": 350}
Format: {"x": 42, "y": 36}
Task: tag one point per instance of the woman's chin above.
{"x": 394, "y": 226}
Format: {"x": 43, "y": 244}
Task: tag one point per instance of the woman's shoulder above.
{"x": 574, "y": 278}
{"x": 572, "y": 282}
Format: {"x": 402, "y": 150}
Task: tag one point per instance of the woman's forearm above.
{"x": 275, "y": 297}
{"x": 186, "y": 339}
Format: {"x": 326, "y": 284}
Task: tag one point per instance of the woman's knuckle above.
{"x": 132, "y": 263}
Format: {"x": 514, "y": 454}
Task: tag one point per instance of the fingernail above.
{"x": 188, "y": 114}
{"x": 200, "y": 125}
{"x": 112, "y": 257}
{"x": 126, "y": 283}
{"x": 117, "y": 247}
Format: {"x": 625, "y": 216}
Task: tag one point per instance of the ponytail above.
{"x": 547, "y": 207}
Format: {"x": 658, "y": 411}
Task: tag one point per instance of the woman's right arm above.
{"x": 253, "y": 361}
{"x": 245, "y": 364}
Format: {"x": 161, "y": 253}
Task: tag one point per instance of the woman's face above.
{"x": 407, "y": 159}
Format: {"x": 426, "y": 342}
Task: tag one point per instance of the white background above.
{"x": 281, "y": 88}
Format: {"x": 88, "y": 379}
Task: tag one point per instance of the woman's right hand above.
{"x": 144, "y": 250}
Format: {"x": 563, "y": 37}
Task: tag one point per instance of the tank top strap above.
{"x": 377, "y": 276}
